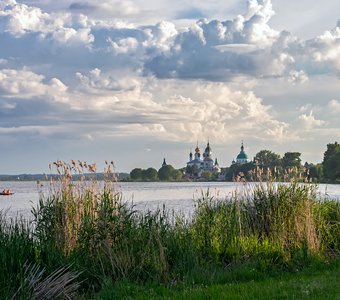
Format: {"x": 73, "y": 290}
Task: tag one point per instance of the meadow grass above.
{"x": 84, "y": 239}
{"x": 319, "y": 281}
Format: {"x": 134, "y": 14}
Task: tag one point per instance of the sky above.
{"x": 137, "y": 81}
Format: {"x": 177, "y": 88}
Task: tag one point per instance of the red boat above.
{"x": 6, "y": 193}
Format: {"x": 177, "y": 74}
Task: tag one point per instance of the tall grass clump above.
{"x": 21, "y": 274}
{"x": 273, "y": 223}
{"x": 16, "y": 248}
{"x": 86, "y": 223}
{"x": 327, "y": 214}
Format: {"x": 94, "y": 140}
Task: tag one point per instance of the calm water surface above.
{"x": 177, "y": 196}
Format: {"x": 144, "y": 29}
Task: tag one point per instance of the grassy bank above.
{"x": 318, "y": 281}
{"x": 85, "y": 241}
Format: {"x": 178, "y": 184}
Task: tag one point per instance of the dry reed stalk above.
{"x": 78, "y": 200}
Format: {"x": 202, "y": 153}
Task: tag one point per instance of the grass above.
{"x": 243, "y": 282}
{"x": 85, "y": 241}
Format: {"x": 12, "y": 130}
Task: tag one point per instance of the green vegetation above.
{"x": 43, "y": 177}
{"x": 273, "y": 167}
{"x": 291, "y": 160}
{"x": 331, "y": 162}
{"x": 169, "y": 173}
{"x": 269, "y": 165}
{"x": 138, "y": 174}
{"x": 85, "y": 240}
{"x": 239, "y": 282}
{"x": 165, "y": 173}
{"x": 268, "y": 158}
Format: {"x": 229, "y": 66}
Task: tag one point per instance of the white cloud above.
{"x": 96, "y": 75}
{"x": 23, "y": 83}
{"x": 167, "y": 109}
{"x": 178, "y": 110}
{"x": 20, "y": 19}
{"x": 161, "y": 36}
{"x": 297, "y": 77}
{"x": 334, "y": 106}
{"x": 309, "y": 122}
{"x": 124, "y": 46}
{"x": 26, "y": 84}
{"x": 326, "y": 48}
{"x": 70, "y": 36}
{"x": 211, "y": 50}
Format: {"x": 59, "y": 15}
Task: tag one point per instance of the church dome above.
{"x": 242, "y": 155}
{"x": 207, "y": 152}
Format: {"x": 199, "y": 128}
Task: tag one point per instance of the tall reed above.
{"x": 275, "y": 222}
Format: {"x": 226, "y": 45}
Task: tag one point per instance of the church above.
{"x": 242, "y": 157}
{"x": 206, "y": 163}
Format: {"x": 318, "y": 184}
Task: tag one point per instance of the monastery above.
{"x": 199, "y": 163}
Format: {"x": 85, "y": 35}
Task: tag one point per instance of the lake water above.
{"x": 177, "y": 196}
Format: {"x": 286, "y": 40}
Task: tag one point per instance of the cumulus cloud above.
{"x": 296, "y": 77}
{"x": 168, "y": 109}
{"x": 124, "y": 46}
{"x": 326, "y": 48}
{"x": 172, "y": 109}
{"x": 309, "y": 122}
{"x": 26, "y": 84}
{"x": 221, "y": 50}
{"x": 207, "y": 49}
{"x": 108, "y": 77}
{"x": 334, "y": 106}
{"x": 210, "y": 50}
{"x": 21, "y": 19}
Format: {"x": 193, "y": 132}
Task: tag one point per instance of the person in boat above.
{"x": 7, "y": 191}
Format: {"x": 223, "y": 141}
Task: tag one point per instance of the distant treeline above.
{"x": 165, "y": 173}
{"x": 266, "y": 165}
{"x": 270, "y": 165}
{"x": 44, "y": 177}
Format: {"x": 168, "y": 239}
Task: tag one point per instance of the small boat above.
{"x": 6, "y": 193}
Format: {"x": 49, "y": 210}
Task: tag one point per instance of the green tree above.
{"x": 291, "y": 159}
{"x": 315, "y": 171}
{"x": 169, "y": 173}
{"x": 165, "y": 172}
{"x": 150, "y": 174}
{"x": 268, "y": 158}
{"x": 331, "y": 162}
{"x": 176, "y": 175}
{"x": 191, "y": 170}
{"x": 237, "y": 169}
{"x": 136, "y": 174}
{"x": 207, "y": 175}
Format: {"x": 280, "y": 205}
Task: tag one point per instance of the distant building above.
{"x": 207, "y": 163}
{"x": 242, "y": 157}
{"x": 164, "y": 163}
